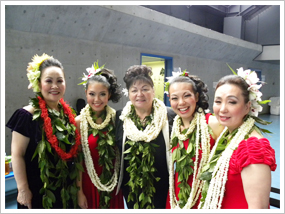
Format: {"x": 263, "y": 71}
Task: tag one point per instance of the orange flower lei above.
{"x": 52, "y": 139}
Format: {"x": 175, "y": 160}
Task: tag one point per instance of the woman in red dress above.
{"x": 101, "y": 156}
{"x": 238, "y": 174}
{"x": 193, "y": 135}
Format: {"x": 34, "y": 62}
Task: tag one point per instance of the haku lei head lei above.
{"x": 33, "y": 72}
{"x": 253, "y": 87}
{"x": 174, "y": 74}
{"x": 93, "y": 70}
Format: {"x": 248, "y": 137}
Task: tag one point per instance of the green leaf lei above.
{"x": 107, "y": 155}
{"x": 224, "y": 141}
{"x": 184, "y": 164}
{"x": 141, "y": 170}
{"x": 55, "y": 172}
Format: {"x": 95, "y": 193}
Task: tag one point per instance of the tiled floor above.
{"x": 274, "y": 139}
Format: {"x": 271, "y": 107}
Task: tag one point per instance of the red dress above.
{"x": 250, "y": 151}
{"x": 190, "y": 179}
{"x": 88, "y": 187}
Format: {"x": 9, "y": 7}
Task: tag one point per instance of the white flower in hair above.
{"x": 255, "y": 108}
{"x": 174, "y": 74}
{"x": 249, "y": 76}
{"x": 93, "y": 70}
{"x": 125, "y": 91}
{"x": 254, "y": 94}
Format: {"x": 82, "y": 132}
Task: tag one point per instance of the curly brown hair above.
{"x": 138, "y": 73}
{"x": 198, "y": 87}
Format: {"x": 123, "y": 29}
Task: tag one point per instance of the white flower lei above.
{"x": 152, "y": 130}
{"x": 200, "y": 123}
{"x": 216, "y": 189}
{"x": 85, "y": 119}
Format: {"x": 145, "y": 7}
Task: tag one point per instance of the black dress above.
{"x": 22, "y": 122}
{"x": 160, "y": 196}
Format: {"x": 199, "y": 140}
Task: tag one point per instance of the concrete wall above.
{"x": 76, "y": 55}
{"x": 264, "y": 29}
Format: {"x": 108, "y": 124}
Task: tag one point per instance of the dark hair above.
{"x": 238, "y": 81}
{"x": 108, "y": 79}
{"x": 138, "y": 73}
{"x": 198, "y": 87}
{"x": 49, "y": 63}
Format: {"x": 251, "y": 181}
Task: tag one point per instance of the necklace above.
{"x": 152, "y": 130}
{"x": 141, "y": 152}
{"x": 53, "y": 139}
{"x": 199, "y": 137}
{"x": 215, "y": 173}
{"x": 56, "y": 170}
{"x": 85, "y": 120}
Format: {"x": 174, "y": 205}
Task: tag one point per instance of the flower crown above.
{"x": 33, "y": 72}
{"x": 93, "y": 70}
{"x": 254, "y": 94}
{"x": 174, "y": 74}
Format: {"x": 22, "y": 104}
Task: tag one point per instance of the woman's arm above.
{"x": 256, "y": 180}
{"x": 216, "y": 127}
{"x": 82, "y": 201}
{"x": 18, "y": 149}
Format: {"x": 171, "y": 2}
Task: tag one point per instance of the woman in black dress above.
{"x": 142, "y": 135}
{"x": 45, "y": 141}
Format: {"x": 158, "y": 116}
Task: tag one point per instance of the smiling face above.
{"x": 141, "y": 94}
{"x": 229, "y": 106}
{"x": 97, "y": 95}
{"x": 52, "y": 85}
{"x": 183, "y": 100}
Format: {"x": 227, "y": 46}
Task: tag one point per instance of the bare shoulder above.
{"x": 77, "y": 121}
{"x": 254, "y": 133}
{"x": 29, "y": 108}
{"x": 216, "y": 127}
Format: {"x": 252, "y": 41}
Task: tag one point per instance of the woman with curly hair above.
{"x": 101, "y": 157}
{"x": 142, "y": 135}
{"x": 192, "y": 137}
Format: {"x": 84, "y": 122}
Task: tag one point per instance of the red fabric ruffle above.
{"x": 252, "y": 151}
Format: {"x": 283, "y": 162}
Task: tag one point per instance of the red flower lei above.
{"x": 52, "y": 139}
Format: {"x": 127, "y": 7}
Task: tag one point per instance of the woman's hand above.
{"x": 25, "y": 197}
{"x": 18, "y": 149}
{"x": 82, "y": 201}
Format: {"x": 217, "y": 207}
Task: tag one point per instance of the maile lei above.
{"x": 199, "y": 138}
{"x": 215, "y": 172}
{"x": 108, "y": 152}
{"x": 141, "y": 152}
{"x": 59, "y": 169}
